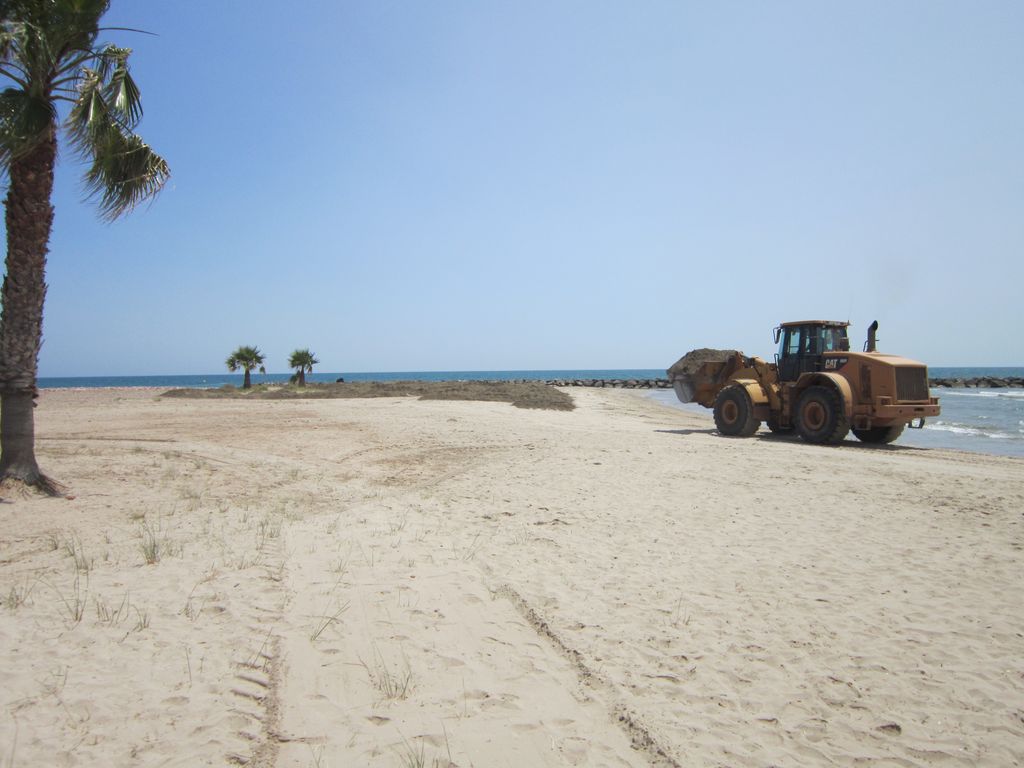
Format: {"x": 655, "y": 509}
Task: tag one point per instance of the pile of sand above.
{"x": 689, "y": 363}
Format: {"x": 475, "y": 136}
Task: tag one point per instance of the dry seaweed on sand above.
{"x": 520, "y": 394}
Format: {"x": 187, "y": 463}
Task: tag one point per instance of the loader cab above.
{"x": 802, "y": 346}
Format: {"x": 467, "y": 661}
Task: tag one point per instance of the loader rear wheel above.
{"x": 879, "y": 435}
{"x": 734, "y": 413}
{"x": 821, "y": 417}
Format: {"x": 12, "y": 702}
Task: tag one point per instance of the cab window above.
{"x": 811, "y": 343}
{"x": 835, "y": 340}
{"x": 790, "y": 342}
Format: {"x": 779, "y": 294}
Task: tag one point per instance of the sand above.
{"x": 399, "y": 583}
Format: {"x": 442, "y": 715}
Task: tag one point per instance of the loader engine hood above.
{"x": 871, "y": 358}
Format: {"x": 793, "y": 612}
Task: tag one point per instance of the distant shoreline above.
{"x": 643, "y": 378}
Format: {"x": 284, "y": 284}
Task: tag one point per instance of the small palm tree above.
{"x": 49, "y": 57}
{"x": 302, "y": 360}
{"x": 246, "y": 358}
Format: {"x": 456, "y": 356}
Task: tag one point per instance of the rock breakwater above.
{"x": 985, "y": 382}
{"x": 615, "y": 383}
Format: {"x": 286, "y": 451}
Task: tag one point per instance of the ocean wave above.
{"x": 1015, "y": 394}
{"x": 973, "y": 431}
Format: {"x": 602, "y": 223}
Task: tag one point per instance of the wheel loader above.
{"x": 816, "y": 387}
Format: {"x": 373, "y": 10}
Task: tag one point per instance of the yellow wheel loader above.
{"x": 816, "y": 387}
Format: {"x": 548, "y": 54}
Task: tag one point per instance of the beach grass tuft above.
{"x": 267, "y": 528}
{"x": 19, "y": 594}
{"x": 73, "y": 548}
{"x": 106, "y": 615}
{"x": 393, "y": 684}
{"x": 467, "y": 553}
{"x": 76, "y": 599}
{"x": 190, "y": 610}
{"x": 155, "y": 544}
{"x": 327, "y": 619}
{"x": 142, "y": 619}
{"x": 416, "y": 757}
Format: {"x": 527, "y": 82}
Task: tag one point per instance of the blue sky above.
{"x": 533, "y": 185}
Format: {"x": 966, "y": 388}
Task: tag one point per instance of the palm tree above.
{"x": 246, "y": 358}
{"x": 302, "y": 360}
{"x": 49, "y": 56}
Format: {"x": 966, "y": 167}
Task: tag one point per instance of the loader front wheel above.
{"x": 821, "y": 417}
{"x": 734, "y": 413}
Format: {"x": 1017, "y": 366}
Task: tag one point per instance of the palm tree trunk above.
{"x": 29, "y": 218}
{"x": 247, "y": 381}
{"x": 302, "y": 377}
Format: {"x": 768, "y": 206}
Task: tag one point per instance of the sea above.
{"x": 989, "y": 421}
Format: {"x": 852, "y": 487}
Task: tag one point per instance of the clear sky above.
{"x": 530, "y": 185}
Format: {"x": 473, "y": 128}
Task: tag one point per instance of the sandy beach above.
{"x": 396, "y": 582}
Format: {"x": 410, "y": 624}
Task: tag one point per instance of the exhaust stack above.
{"x": 870, "y": 345}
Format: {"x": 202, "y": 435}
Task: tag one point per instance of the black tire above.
{"x": 734, "y": 413}
{"x": 777, "y": 429}
{"x": 820, "y": 416}
{"x": 879, "y": 435}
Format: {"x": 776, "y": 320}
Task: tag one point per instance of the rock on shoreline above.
{"x": 984, "y": 382}
{"x": 616, "y": 383}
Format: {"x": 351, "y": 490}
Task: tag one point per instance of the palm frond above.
{"x": 70, "y": 67}
{"x": 109, "y": 58}
{"x": 125, "y": 171}
{"x": 121, "y": 92}
{"x": 16, "y": 74}
{"x": 90, "y": 116}
{"x": 25, "y": 120}
{"x": 6, "y": 40}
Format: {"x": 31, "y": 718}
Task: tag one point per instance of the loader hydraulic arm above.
{"x": 768, "y": 378}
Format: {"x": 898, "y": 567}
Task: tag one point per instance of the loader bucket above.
{"x": 697, "y": 376}
{"x": 684, "y": 389}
